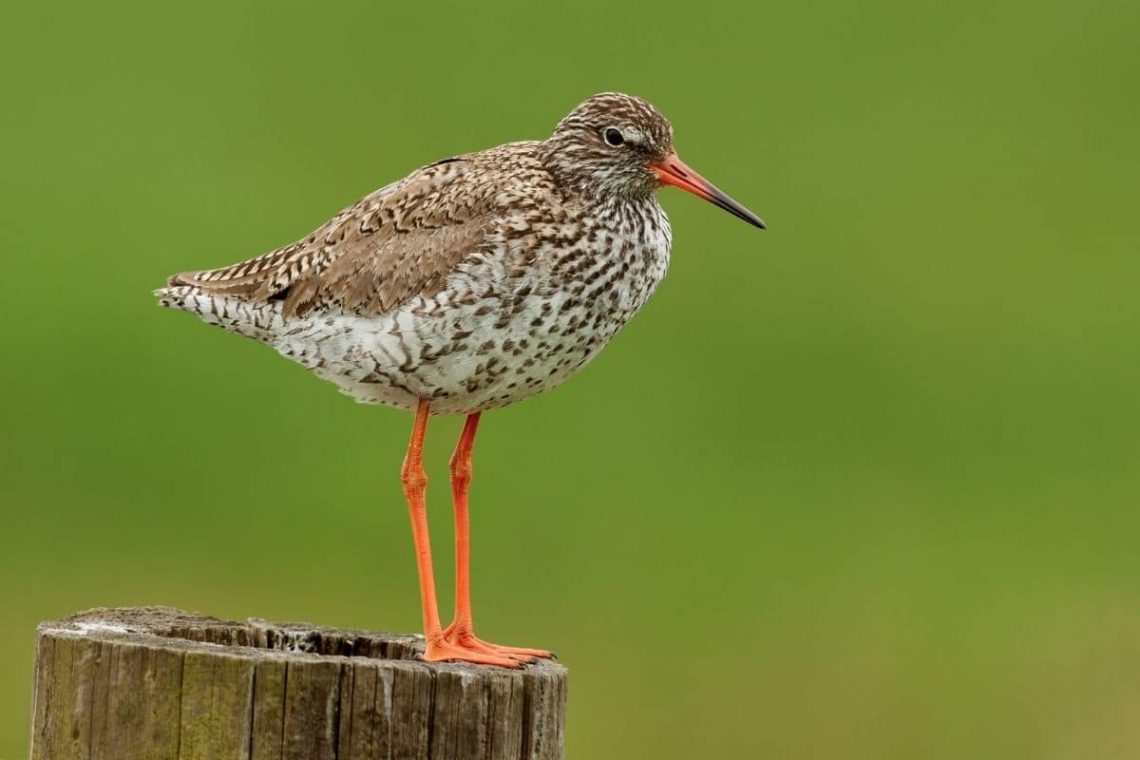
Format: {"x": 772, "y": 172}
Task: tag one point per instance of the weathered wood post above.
{"x": 158, "y": 683}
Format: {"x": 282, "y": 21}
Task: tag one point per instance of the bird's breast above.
{"x": 518, "y": 318}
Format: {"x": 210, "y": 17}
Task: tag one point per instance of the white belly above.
{"x": 477, "y": 346}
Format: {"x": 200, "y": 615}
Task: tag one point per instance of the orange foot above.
{"x": 438, "y": 651}
{"x": 466, "y": 639}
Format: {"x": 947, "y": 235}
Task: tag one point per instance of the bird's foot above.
{"x": 465, "y": 637}
{"x": 443, "y": 650}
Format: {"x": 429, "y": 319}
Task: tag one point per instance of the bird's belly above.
{"x": 466, "y": 354}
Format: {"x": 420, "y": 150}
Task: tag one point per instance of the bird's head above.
{"x": 617, "y": 144}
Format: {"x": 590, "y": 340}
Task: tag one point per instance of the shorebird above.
{"x": 472, "y": 283}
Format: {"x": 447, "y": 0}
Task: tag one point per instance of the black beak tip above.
{"x": 734, "y": 208}
{"x": 748, "y": 216}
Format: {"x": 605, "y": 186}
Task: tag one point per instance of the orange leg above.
{"x": 415, "y": 487}
{"x": 462, "y": 630}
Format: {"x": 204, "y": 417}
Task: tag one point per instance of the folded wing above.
{"x": 402, "y": 240}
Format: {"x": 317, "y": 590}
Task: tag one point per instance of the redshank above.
{"x": 472, "y": 283}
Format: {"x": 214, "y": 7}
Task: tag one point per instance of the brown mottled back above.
{"x": 402, "y": 240}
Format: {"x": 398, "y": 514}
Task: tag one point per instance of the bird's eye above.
{"x": 613, "y": 136}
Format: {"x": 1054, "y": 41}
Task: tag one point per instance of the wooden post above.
{"x": 160, "y": 683}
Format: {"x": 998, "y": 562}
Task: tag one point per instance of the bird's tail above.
{"x": 258, "y": 320}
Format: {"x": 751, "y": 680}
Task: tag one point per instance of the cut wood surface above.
{"x": 156, "y": 682}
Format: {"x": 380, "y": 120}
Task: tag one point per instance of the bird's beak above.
{"x": 673, "y": 171}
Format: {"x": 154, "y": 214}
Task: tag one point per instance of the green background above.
{"x": 862, "y": 486}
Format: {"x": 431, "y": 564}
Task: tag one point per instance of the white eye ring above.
{"x": 613, "y": 137}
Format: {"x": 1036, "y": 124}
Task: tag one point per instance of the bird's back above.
{"x": 399, "y": 241}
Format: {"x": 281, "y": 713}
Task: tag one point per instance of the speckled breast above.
{"x": 515, "y": 319}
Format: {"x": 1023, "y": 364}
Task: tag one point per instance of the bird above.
{"x": 472, "y": 283}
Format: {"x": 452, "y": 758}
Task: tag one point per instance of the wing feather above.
{"x": 398, "y": 242}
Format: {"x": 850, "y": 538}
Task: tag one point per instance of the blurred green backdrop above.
{"x": 862, "y": 486}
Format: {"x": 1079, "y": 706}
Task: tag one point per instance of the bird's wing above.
{"x": 398, "y": 242}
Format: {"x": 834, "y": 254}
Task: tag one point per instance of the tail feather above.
{"x": 258, "y": 320}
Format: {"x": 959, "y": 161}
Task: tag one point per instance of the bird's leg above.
{"x": 462, "y": 626}
{"x": 415, "y": 488}
{"x": 462, "y": 630}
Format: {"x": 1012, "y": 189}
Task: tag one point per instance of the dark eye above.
{"x": 613, "y": 136}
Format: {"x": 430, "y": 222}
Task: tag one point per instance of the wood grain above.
{"x": 155, "y": 682}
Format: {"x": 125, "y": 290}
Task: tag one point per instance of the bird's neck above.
{"x": 582, "y": 179}
{"x": 626, "y": 212}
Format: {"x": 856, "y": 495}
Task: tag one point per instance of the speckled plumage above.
{"x": 474, "y": 282}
